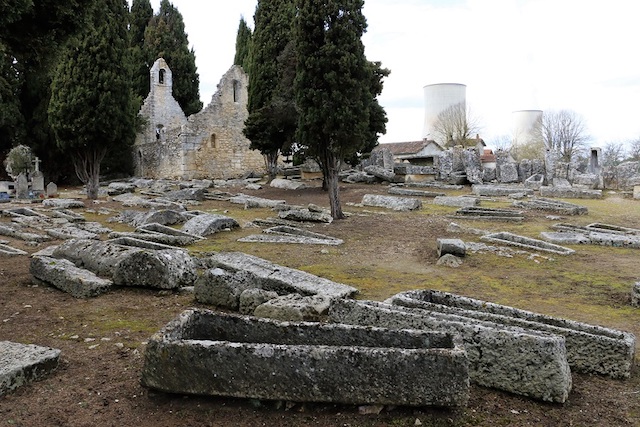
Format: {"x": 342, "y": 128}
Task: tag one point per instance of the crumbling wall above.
{"x": 215, "y": 146}
{"x": 208, "y": 144}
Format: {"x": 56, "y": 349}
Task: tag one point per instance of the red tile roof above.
{"x": 400, "y": 148}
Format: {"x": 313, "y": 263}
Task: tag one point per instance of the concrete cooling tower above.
{"x": 526, "y": 126}
{"x": 437, "y": 98}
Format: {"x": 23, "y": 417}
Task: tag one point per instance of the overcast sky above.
{"x": 512, "y": 55}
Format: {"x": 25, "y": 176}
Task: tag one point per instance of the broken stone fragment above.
{"x": 64, "y": 275}
{"x": 163, "y": 269}
{"x": 206, "y": 224}
{"x": 223, "y": 288}
{"x": 252, "y": 298}
{"x": 295, "y": 308}
{"x": 451, "y": 246}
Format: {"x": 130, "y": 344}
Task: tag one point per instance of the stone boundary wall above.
{"x": 590, "y": 349}
{"x": 207, "y": 353}
{"x": 508, "y": 358}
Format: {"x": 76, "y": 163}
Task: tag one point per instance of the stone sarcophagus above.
{"x": 207, "y": 353}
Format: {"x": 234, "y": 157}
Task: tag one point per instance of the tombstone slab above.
{"x": 64, "y": 275}
{"x": 52, "y": 189}
{"x": 21, "y": 364}
{"x": 281, "y": 279}
{"x": 454, "y": 201}
{"x": 391, "y": 202}
{"x": 22, "y": 187}
{"x": 206, "y": 224}
{"x": 63, "y": 203}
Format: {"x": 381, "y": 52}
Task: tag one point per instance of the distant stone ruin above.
{"x": 495, "y": 173}
{"x": 208, "y": 144}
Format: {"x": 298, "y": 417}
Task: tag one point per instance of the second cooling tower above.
{"x": 437, "y": 98}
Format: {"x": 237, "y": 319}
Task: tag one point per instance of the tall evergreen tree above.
{"x": 140, "y": 16}
{"x": 91, "y": 109}
{"x": 271, "y": 121}
{"x": 33, "y": 33}
{"x": 11, "y": 120}
{"x": 334, "y": 86}
{"x": 243, "y": 45}
{"x": 165, "y": 37}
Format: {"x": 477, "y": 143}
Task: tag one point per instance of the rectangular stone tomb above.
{"x": 208, "y": 353}
{"x": 511, "y": 239}
{"x": 474, "y": 212}
{"x": 590, "y": 348}
{"x": 21, "y": 364}
{"x": 509, "y": 358}
{"x": 557, "y": 206}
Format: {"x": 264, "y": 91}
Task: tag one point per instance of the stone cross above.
{"x": 36, "y": 161}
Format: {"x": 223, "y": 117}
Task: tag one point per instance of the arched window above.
{"x": 236, "y": 91}
{"x": 161, "y": 76}
{"x": 212, "y": 141}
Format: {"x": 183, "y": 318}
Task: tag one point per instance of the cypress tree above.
{"x": 243, "y": 45}
{"x": 91, "y": 109}
{"x": 334, "y": 86}
{"x": 11, "y": 120}
{"x": 33, "y": 34}
{"x": 165, "y": 37}
{"x": 271, "y": 121}
{"x": 141, "y": 14}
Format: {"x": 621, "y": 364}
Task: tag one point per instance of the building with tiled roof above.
{"x": 415, "y": 152}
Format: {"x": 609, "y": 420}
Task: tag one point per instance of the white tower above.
{"x": 437, "y": 98}
{"x": 526, "y": 127}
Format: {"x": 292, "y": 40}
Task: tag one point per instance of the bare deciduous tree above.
{"x": 565, "y": 132}
{"x": 501, "y": 142}
{"x": 634, "y": 150}
{"x": 454, "y": 125}
{"x": 613, "y": 154}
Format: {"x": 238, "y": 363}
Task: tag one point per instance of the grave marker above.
{"x": 22, "y": 187}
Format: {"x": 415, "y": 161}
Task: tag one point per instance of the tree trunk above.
{"x": 271, "y": 159}
{"x": 87, "y": 166}
{"x": 329, "y": 164}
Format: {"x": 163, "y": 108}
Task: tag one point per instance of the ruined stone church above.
{"x": 206, "y": 145}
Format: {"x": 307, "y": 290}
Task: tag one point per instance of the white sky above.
{"x": 581, "y": 55}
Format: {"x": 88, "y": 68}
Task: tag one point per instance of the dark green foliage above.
{"x": 141, "y": 14}
{"x": 91, "y": 109}
{"x": 243, "y": 45}
{"x": 335, "y": 87}
{"x": 165, "y": 37}
{"x": 271, "y": 123}
{"x": 11, "y": 120}
{"x": 33, "y": 33}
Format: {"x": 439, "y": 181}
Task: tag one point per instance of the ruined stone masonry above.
{"x": 208, "y": 144}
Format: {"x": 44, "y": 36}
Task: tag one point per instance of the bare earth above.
{"x": 103, "y": 339}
